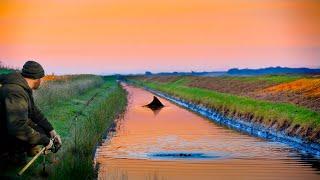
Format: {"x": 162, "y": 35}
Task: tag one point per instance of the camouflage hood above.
{"x": 15, "y": 78}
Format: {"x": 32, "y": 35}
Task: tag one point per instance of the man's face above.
{"x": 37, "y": 84}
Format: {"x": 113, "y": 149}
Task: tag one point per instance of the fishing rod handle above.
{"x": 31, "y": 162}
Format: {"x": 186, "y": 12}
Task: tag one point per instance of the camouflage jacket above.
{"x": 18, "y": 110}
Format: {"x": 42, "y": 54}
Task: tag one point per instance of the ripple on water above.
{"x": 185, "y": 155}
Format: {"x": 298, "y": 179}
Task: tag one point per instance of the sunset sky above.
{"x": 133, "y": 36}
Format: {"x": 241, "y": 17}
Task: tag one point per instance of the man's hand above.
{"x": 48, "y": 147}
{"x": 56, "y": 137}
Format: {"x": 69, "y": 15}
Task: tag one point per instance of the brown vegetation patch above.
{"x": 307, "y": 87}
{"x": 161, "y": 79}
{"x": 232, "y": 85}
{"x": 302, "y": 92}
{"x": 311, "y": 102}
{"x": 53, "y": 77}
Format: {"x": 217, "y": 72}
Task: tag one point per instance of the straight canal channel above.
{"x": 174, "y": 143}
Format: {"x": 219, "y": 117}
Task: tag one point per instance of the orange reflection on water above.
{"x": 143, "y": 133}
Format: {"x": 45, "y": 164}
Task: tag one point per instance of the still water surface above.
{"x": 174, "y": 143}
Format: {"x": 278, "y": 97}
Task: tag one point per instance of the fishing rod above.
{"x": 55, "y": 148}
{"x": 31, "y": 162}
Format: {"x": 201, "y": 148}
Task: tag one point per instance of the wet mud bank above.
{"x": 243, "y": 125}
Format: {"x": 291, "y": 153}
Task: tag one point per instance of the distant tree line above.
{"x": 273, "y": 70}
{"x": 236, "y": 71}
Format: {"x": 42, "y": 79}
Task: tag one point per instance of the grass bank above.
{"x": 75, "y": 160}
{"x": 301, "y": 90}
{"x": 294, "y": 120}
{"x": 78, "y": 156}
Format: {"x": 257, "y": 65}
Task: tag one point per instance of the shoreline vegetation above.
{"x": 96, "y": 102}
{"x": 78, "y": 156}
{"x": 293, "y": 119}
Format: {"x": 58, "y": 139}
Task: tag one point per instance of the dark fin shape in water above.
{"x": 155, "y": 104}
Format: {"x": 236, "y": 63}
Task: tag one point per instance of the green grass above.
{"x": 110, "y": 100}
{"x": 62, "y": 111}
{"x": 269, "y": 79}
{"x": 182, "y": 81}
{"x": 78, "y": 159}
{"x": 241, "y": 106}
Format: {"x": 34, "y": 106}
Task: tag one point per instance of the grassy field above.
{"x": 61, "y": 101}
{"x": 283, "y": 116}
{"x": 301, "y": 90}
{"x": 62, "y": 89}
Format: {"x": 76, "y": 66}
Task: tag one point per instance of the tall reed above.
{"x": 59, "y": 90}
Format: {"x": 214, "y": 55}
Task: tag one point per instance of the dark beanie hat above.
{"x": 33, "y": 70}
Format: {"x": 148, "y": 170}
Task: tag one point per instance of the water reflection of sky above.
{"x": 173, "y": 130}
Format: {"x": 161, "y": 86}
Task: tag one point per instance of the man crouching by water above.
{"x": 22, "y": 125}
